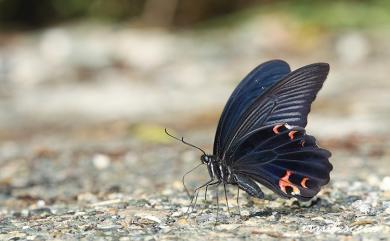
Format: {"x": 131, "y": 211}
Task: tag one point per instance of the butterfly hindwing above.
{"x": 284, "y": 159}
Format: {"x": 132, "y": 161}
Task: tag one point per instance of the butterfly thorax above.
{"x": 217, "y": 169}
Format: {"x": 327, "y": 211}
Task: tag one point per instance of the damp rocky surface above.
{"x": 99, "y": 184}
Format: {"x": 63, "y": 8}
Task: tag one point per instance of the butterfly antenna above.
{"x": 182, "y": 140}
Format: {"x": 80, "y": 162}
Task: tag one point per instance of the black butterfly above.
{"x": 261, "y": 137}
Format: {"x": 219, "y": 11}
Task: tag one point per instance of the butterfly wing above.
{"x": 250, "y": 88}
{"x": 287, "y": 101}
{"x": 284, "y": 159}
{"x": 265, "y": 138}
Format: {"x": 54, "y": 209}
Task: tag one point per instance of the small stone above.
{"x": 318, "y": 218}
{"x": 25, "y": 213}
{"x": 41, "y": 203}
{"x": 177, "y": 214}
{"x": 182, "y": 221}
{"x": 151, "y": 218}
{"x": 362, "y": 206}
{"x": 274, "y": 217}
{"x": 244, "y": 213}
{"x": 362, "y": 222}
{"x": 373, "y": 180}
{"x": 387, "y": 211}
{"x": 101, "y": 161}
{"x": 42, "y": 212}
{"x": 385, "y": 184}
{"x": 107, "y": 203}
{"x": 386, "y": 204}
{"x": 167, "y": 192}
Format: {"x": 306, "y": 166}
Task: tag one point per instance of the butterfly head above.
{"x": 206, "y": 158}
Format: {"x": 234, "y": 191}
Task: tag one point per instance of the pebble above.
{"x": 182, "y": 221}
{"x": 387, "y": 211}
{"x": 385, "y": 184}
{"x": 41, "y": 212}
{"x": 362, "y": 222}
{"x": 363, "y": 207}
{"x": 107, "y": 202}
{"x": 101, "y": 161}
{"x": 25, "y": 213}
{"x": 177, "y": 214}
{"x": 151, "y": 218}
{"x": 41, "y": 203}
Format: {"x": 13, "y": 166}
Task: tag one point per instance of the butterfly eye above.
{"x": 204, "y": 159}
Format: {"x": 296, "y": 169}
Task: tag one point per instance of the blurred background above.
{"x": 87, "y": 87}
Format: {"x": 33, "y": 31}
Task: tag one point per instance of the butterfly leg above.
{"x": 210, "y": 184}
{"x": 216, "y": 220}
{"x": 205, "y": 192}
{"x": 196, "y": 193}
{"x": 190, "y": 206}
{"x": 238, "y": 196}
{"x": 195, "y": 197}
{"x": 227, "y": 203}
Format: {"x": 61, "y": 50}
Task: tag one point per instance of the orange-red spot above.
{"x": 304, "y": 181}
{"x": 285, "y": 182}
{"x": 276, "y": 129}
{"x": 291, "y": 134}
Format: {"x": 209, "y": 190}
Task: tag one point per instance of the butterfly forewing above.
{"x": 288, "y": 101}
{"x": 252, "y": 86}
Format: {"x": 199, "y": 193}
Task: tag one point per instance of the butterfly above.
{"x": 261, "y": 135}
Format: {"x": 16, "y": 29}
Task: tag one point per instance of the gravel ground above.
{"x": 109, "y": 185}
